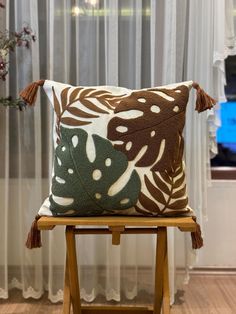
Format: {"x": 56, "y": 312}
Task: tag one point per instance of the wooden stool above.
{"x": 117, "y": 225}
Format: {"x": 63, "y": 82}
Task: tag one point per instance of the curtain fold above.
{"x": 131, "y": 43}
{"x": 4, "y": 171}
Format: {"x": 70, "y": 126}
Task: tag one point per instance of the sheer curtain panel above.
{"x": 131, "y": 43}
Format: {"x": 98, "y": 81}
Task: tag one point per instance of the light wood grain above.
{"x": 73, "y": 270}
{"x": 66, "y": 292}
{"x": 208, "y": 294}
{"x": 166, "y": 289}
{"x": 73, "y": 293}
{"x": 116, "y": 310}
{"x": 186, "y": 223}
{"x": 205, "y": 294}
{"x": 116, "y": 225}
{"x": 116, "y": 231}
{"x": 161, "y": 251}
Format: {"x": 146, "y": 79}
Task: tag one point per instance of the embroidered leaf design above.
{"x": 90, "y": 104}
{"x": 158, "y": 128}
{"x": 56, "y": 103}
{"x": 141, "y": 211}
{"x": 160, "y": 184}
{"x": 166, "y": 189}
{"x": 73, "y": 122}
{"x": 106, "y": 103}
{"x": 180, "y": 204}
{"x": 78, "y": 112}
{"x": 180, "y": 181}
{"x": 64, "y": 94}
{"x": 96, "y": 93}
{"x": 168, "y": 196}
{"x": 155, "y": 191}
{"x": 149, "y": 204}
{"x": 85, "y": 92}
{"x": 166, "y": 178}
{"x": 88, "y": 184}
{"x": 179, "y": 193}
{"x": 74, "y": 94}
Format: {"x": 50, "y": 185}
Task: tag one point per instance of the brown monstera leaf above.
{"x": 156, "y": 130}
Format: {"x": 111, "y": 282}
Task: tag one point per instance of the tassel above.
{"x": 203, "y": 101}
{"x": 197, "y": 240}
{"x": 29, "y": 94}
{"x": 34, "y": 235}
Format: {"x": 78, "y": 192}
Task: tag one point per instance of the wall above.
{"x": 220, "y": 229}
{"x": 219, "y": 249}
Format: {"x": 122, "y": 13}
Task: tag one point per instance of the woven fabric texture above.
{"x": 118, "y": 151}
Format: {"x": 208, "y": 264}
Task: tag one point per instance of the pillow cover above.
{"x": 118, "y": 151}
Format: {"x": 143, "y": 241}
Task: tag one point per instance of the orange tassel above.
{"x": 34, "y": 235}
{"x": 197, "y": 240}
{"x": 203, "y": 101}
{"x": 29, "y": 94}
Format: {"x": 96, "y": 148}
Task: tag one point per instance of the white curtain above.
{"x": 131, "y": 43}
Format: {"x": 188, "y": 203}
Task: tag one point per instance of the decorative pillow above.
{"x": 118, "y": 151}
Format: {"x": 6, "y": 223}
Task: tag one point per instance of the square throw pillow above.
{"x": 118, "y": 151}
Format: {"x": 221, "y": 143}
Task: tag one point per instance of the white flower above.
{"x": 3, "y": 53}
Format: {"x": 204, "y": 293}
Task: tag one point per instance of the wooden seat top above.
{"x": 183, "y": 223}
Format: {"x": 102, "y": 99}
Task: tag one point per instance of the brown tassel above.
{"x": 197, "y": 240}
{"x": 29, "y": 94}
{"x": 203, "y": 101}
{"x": 34, "y": 235}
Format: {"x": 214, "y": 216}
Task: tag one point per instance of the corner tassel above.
{"x": 34, "y": 235}
{"x": 197, "y": 240}
{"x": 29, "y": 94}
{"x": 203, "y": 101}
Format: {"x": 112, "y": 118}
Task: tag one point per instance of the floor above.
{"x": 205, "y": 294}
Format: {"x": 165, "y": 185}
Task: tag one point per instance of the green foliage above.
{"x": 15, "y": 103}
{"x": 8, "y": 42}
{"x": 88, "y": 183}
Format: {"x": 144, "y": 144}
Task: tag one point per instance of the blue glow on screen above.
{"x": 226, "y": 134}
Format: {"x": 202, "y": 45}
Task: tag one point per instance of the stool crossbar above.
{"x": 117, "y": 226}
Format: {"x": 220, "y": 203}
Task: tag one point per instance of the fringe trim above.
{"x": 197, "y": 240}
{"x": 34, "y": 236}
{"x": 203, "y": 101}
{"x": 29, "y": 94}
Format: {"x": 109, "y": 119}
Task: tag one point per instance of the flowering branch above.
{"x": 8, "y": 42}
{"x": 15, "y": 103}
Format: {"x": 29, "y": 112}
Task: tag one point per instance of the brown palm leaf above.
{"x": 166, "y": 192}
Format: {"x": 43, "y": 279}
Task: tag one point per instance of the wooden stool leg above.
{"x": 166, "y": 289}
{"x": 161, "y": 251}
{"x": 73, "y": 270}
{"x": 66, "y": 291}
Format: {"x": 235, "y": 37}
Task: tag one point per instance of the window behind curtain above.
{"x": 224, "y": 164}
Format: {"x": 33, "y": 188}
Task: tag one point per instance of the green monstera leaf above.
{"x": 84, "y": 188}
